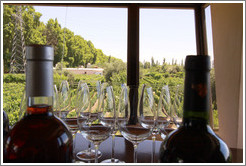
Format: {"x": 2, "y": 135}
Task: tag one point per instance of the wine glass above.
{"x": 109, "y": 117}
{"x": 63, "y": 106}
{"x": 178, "y": 105}
{"x": 56, "y": 105}
{"x": 148, "y": 114}
{"x": 89, "y": 154}
{"x": 164, "y": 113}
{"x": 133, "y": 132}
{"x": 65, "y": 109}
{"x": 70, "y": 117}
{"x": 91, "y": 127}
{"x": 64, "y": 99}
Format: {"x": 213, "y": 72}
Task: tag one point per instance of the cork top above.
{"x": 197, "y": 62}
{"x": 39, "y": 70}
{"x": 39, "y": 52}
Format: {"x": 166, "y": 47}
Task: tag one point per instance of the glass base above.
{"x": 88, "y": 155}
{"x": 110, "y": 161}
{"x": 78, "y": 161}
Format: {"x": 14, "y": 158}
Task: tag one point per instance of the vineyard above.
{"x": 14, "y": 84}
{"x": 79, "y": 51}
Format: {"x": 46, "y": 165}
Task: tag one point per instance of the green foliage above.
{"x": 19, "y": 78}
{"x": 213, "y": 90}
{"x": 14, "y": 85}
{"x": 12, "y": 95}
{"x": 8, "y": 33}
{"x": 215, "y": 118}
{"x": 115, "y": 67}
{"x": 75, "y": 52}
{"x": 72, "y": 49}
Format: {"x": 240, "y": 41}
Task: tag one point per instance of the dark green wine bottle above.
{"x": 194, "y": 141}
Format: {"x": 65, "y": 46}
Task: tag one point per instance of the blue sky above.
{"x": 163, "y": 32}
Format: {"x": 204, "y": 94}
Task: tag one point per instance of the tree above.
{"x": 33, "y": 29}
{"x": 8, "y": 32}
{"x": 109, "y": 58}
{"x": 73, "y": 49}
{"x": 164, "y": 61}
{"x": 115, "y": 66}
{"x": 182, "y": 62}
{"x": 152, "y": 62}
{"x": 146, "y": 65}
{"x": 157, "y": 63}
{"x": 164, "y": 68}
{"x": 55, "y": 37}
{"x": 93, "y": 51}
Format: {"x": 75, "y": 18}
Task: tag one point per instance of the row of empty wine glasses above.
{"x": 68, "y": 102}
{"x": 160, "y": 112}
{"x": 95, "y": 111}
{"x": 157, "y": 110}
{"x": 155, "y": 114}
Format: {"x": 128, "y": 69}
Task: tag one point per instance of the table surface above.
{"x": 124, "y": 150}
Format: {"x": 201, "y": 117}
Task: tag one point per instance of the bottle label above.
{"x": 201, "y": 89}
{"x": 196, "y": 114}
{"x": 196, "y": 94}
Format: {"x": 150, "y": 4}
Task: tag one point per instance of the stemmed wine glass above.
{"x": 64, "y": 99}
{"x": 148, "y": 114}
{"x": 164, "y": 113}
{"x": 66, "y": 109}
{"x": 89, "y": 154}
{"x": 56, "y": 105}
{"x": 133, "y": 132}
{"x": 92, "y": 130}
{"x": 109, "y": 117}
{"x": 178, "y": 105}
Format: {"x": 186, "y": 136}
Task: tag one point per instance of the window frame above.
{"x": 133, "y": 35}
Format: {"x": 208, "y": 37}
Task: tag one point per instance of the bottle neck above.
{"x": 196, "y": 98}
{"x": 39, "y": 105}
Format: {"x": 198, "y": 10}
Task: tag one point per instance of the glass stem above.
{"x": 96, "y": 151}
{"x": 89, "y": 147}
{"x": 153, "y": 148}
{"x": 74, "y": 154}
{"x": 135, "y": 152}
{"x": 113, "y": 145}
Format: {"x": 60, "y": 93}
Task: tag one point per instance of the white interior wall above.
{"x": 240, "y": 115}
{"x": 227, "y": 27}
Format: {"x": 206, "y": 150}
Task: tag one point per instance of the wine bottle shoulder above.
{"x": 37, "y": 125}
{"x": 39, "y": 138}
{"x": 191, "y": 145}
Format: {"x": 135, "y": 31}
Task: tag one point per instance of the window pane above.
{"x": 106, "y": 28}
{"x": 167, "y": 36}
{"x": 166, "y": 33}
{"x": 88, "y": 39}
